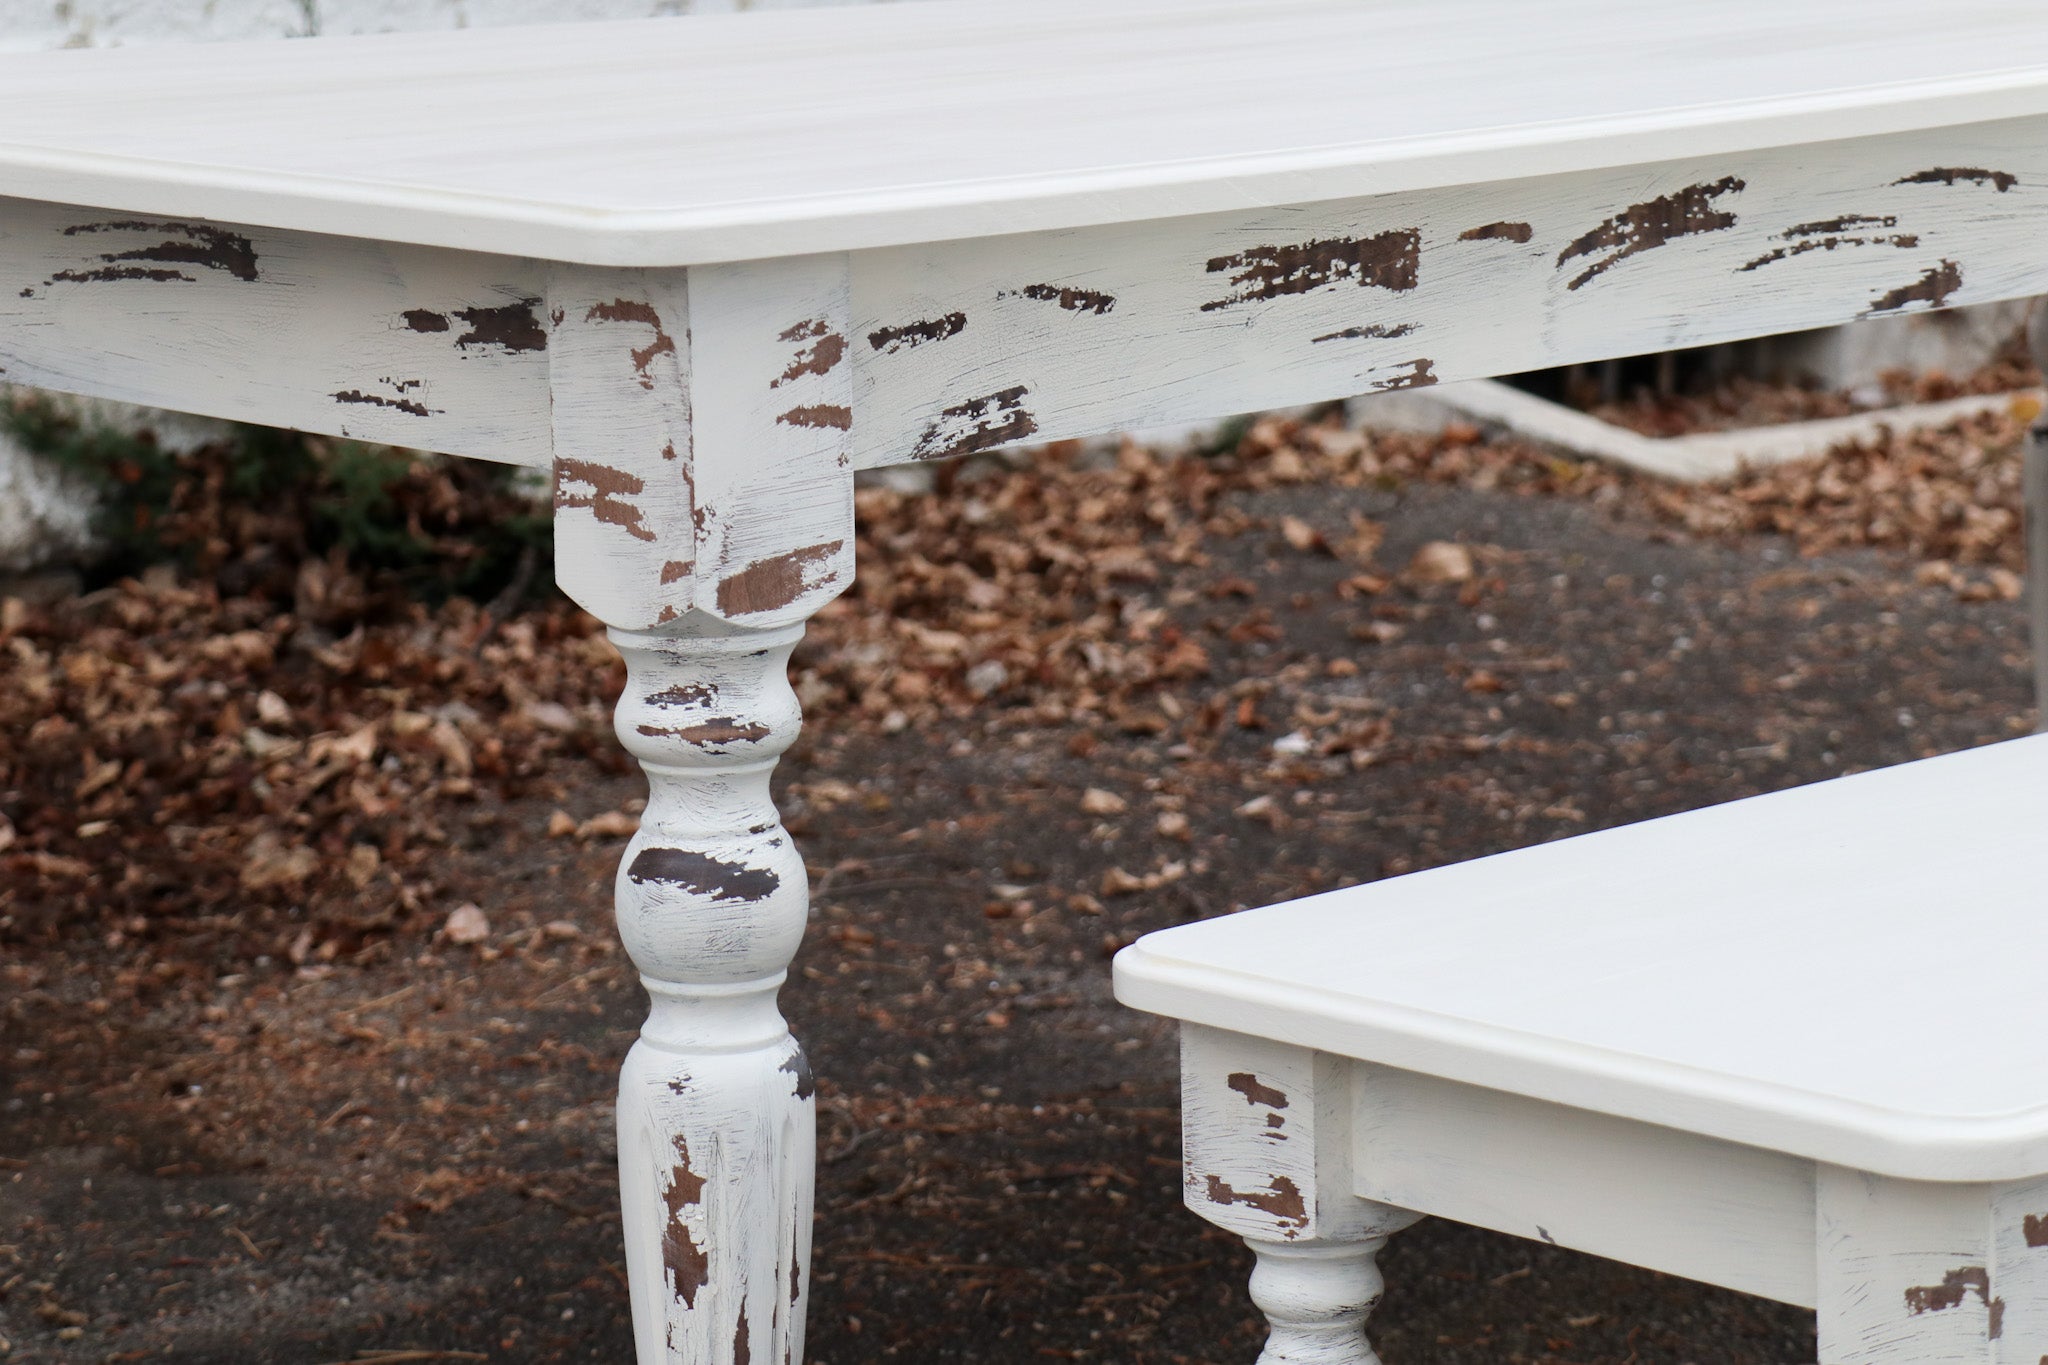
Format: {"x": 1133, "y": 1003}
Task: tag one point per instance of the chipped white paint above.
{"x": 624, "y": 502}
{"x": 1728, "y": 1044}
{"x": 717, "y": 1125}
{"x": 773, "y": 401}
{"x": 704, "y": 269}
{"x": 409, "y": 346}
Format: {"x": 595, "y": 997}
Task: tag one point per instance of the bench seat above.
{"x": 1807, "y": 1026}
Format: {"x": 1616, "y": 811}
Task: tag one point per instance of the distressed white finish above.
{"x": 717, "y": 1124}
{"x": 1792, "y": 1045}
{"x": 705, "y": 268}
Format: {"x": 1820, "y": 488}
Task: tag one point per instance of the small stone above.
{"x": 1441, "y": 561}
{"x": 1096, "y": 801}
{"x": 466, "y": 924}
{"x": 271, "y": 709}
{"x": 988, "y": 676}
{"x": 561, "y": 825}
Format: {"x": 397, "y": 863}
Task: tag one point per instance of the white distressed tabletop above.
{"x": 1850, "y": 971}
{"x": 770, "y": 134}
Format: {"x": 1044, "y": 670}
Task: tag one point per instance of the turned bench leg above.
{"x": 1266, "y": 1142}
{"x": 1922, "y": 1274}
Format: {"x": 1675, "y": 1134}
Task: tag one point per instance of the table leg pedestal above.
{"x": 1266, "y": 1144}
{"x": 717, "y": 1126}
{"x": 1316, "y": 1296}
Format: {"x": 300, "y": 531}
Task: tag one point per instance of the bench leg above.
{"x": 717, "y": 1126}
{"x": 1266, "y": 1140}
{"x": 1924, "y": 1274}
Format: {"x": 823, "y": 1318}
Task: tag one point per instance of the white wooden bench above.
{"x": 706, "y": 268}
{"x": 1795, "y": 1045}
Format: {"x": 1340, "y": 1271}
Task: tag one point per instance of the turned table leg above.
{"x": 716, "y": 1120}
{"x": 703, "y": 511}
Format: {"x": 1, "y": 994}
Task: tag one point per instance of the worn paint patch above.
{"x": 1066, "y": 296}
{"x": 700, "y": 874}
{"x": 977, "y": 424}
{"x": 718, "y": 732}
{"x": 182, "y": 244}
{"x": 410, "y": 406}
{"x": 676, "y": 570}
{"x": 1372, "y": 332}
{"x": 826, "y": 349}
{"x": 836, "y": 416}
{"x": 799, "y": 1066}
{"x": 1282, "y": 1200}
{"x": 1932, "y": 288}
{"x": 742, "y": 1339}
{"x": 1498, "y": 232}
{"x": 636, "y": 310}
{"x": 1949, "y": 175}
{"x": 890, "y": 340}
{"x": 1420, "y": 374}
{"x": 1936, "y": 1298}
{"x": 773, "y": 583}
{"x": 687, "y": 1263}
{"x": 1386, "y": 260}
{"x": 510, "y": 327}
{"x": 1649, "y": 225}
{"x": 2035, "y": 1229}
{"x": 425, "y": 320}
{"x": 1256, "y": 1091}
{"x": 683, "y": 694}
{"x": 604, "y": 491}
{"x": 1831, "y": 234}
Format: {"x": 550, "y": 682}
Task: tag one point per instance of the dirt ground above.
{"x": 257, "y": 1105}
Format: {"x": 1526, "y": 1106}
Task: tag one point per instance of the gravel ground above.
{"x": 258, "y": 1110}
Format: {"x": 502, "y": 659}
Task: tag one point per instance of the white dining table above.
{"x": 706, "y": 268}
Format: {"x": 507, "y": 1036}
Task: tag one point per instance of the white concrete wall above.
{"x": 37, "y": 24}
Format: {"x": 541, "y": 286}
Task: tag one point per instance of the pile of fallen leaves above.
{"x": 1046, "y": 593}
{"x": 273, "y": 761}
